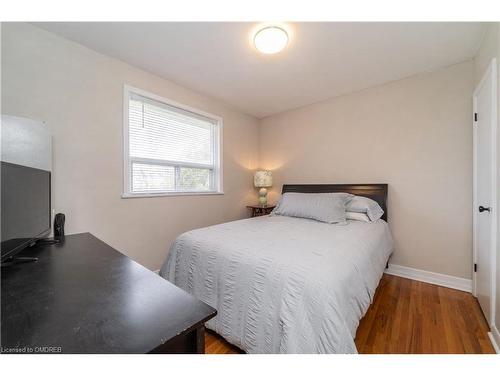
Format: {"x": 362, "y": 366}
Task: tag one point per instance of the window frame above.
{"x": 217, "y": 184}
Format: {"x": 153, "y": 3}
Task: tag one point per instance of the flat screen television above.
{"x": 25, "y": 198}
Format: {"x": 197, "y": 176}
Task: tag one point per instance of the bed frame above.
{"x": 377, "y": 192}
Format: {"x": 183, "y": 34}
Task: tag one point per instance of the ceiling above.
{"x": 322, "y": 60}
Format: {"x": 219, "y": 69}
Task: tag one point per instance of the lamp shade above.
{"x": 263, "y": 179}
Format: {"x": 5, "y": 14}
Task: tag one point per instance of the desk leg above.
{"x": 192, "y": 342}
{"x": 200, "y": 340}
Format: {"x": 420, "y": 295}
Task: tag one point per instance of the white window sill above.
{"x": 172, "y": 194}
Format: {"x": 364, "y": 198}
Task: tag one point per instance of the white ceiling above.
{"x": 323, "y": 60}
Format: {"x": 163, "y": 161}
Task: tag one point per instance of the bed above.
{"x": 283, "y": 284}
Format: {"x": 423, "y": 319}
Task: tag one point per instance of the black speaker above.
{"x": 59, "y": 220}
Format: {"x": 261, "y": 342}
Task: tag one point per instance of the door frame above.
{"x": 490, "y": 74}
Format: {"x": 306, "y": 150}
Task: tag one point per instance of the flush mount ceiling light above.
{"x": 270, "y": 39}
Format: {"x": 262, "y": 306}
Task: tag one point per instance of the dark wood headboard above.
{"x": 377, "y": 192}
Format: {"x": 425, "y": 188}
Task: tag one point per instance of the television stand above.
{"x": 18, "y": 260}
{"x": 83, "y": 296}
{"x": 46, "y": 241}
{"x": 41, "y": 242}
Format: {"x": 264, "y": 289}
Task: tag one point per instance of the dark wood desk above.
{"x": 83, "y": 296}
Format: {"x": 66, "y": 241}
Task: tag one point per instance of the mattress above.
{"x": 282, "y": 284}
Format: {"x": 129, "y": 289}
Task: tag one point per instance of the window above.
{"x": 169, "y": 148}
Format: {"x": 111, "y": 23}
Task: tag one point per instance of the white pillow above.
{"x": 358, "y": 216}
{"x": 325, "y": 207}
{"x": 365, "y": 206}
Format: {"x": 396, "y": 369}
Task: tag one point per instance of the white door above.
{"x": 485, "y": 190}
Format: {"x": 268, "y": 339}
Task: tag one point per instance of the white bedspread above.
{"x": 281, "y": 284}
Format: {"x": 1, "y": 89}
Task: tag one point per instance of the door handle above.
{"x": 482, "y": 209}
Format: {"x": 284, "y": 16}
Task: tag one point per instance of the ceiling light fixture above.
{"x": 270, "y": 39}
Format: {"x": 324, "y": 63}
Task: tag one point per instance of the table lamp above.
{"x": 263, "y": 180}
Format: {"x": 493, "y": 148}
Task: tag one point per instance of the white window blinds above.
{"x": 170, "y": 149}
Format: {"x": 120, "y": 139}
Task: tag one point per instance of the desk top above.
{"x": 83, "y": 296}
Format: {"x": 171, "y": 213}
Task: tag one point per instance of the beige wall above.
{"x": 490, "y": 48}
{"x": 487, "y": 51}
{"x": 79, "y": 92}
{"x": 414, "y": 134}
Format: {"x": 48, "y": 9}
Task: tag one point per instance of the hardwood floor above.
{"x": 409, "y": 316}
{"x": 215, "y": 344}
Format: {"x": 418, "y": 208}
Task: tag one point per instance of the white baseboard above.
{"x": 157, "y": 272}
{"x": 430, "y": 277}
{"x": 494, "y": 336}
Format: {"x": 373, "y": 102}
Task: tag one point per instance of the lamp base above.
{"x": 263, "y": 197}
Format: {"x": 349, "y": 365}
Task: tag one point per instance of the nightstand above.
{"x": 260, "y": 210}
